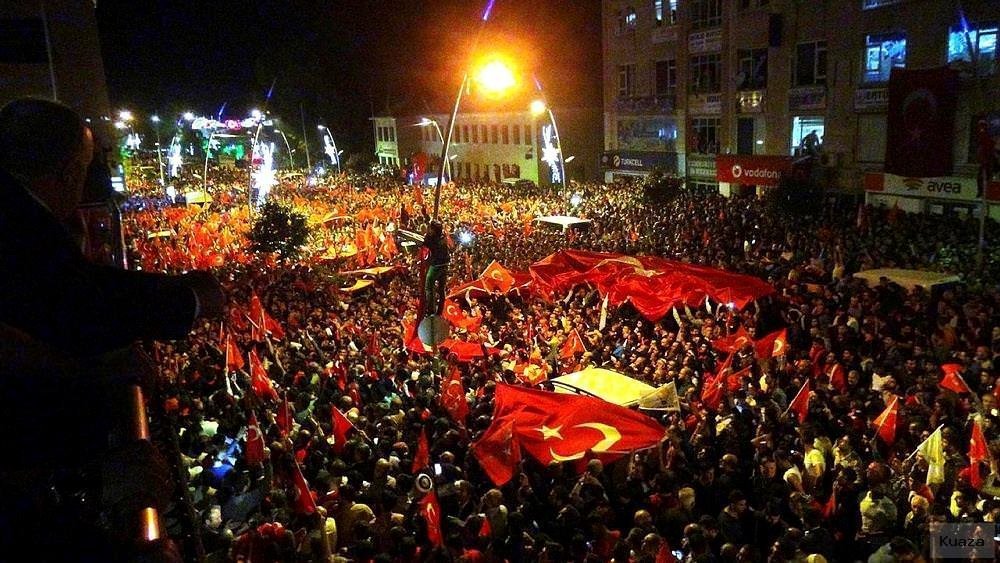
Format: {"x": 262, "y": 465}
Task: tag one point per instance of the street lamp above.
{"x": 552, "y": 151}
{"x": 159, "y": 150}
{"x": 424, "y": 122}
{"x": 330, "y": 146}
{"x": 188, "y": 116}
{"x": 291, "y": 164}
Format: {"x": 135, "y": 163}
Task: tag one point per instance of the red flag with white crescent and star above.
{"x": 952, "y": 379}
{"x": 260, "y": 382}
{"x": 734, "y": 342}
{"x": 978, "y": 453}
{"x": 800, "y": 404}
{"x": 430, "y": 509}
{"x": 254, "y": 442}
{"x": 498, "y": 451}
{"x": 572, "y": 346}
{"x": 561, "y": 427}
{"x": 453, "y": 397}
{"x": 304, "y": 501}
{"x": 234, "y": 359}
{"x": 496, "y": 278}
{"x": 774, "y": 344}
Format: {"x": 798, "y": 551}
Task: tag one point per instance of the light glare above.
{"x": 496, "y": 77}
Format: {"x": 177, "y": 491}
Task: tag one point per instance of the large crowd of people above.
{"x": 745, "y": 479}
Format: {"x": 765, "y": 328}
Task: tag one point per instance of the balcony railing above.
{"x": 665, "y": 103}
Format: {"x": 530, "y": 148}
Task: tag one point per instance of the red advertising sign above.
{"x": 752, "y": 170}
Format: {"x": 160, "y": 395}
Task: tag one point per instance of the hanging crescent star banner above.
{"x": 653, "y": 285}
{"x": 919, "y": 136}
{"x": 555, "y": 427}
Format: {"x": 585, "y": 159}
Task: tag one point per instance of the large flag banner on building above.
{"x": 919, "y": 139}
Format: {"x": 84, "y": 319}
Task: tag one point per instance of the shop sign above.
{"x": 705, "y": 41}
{"x": 809, "y": 98}
{"x": 639, "y": 161}
{"x": 704, "y": 104}
{"x": 662, "y": 34}
{"x": 701, "y": 166}
{"x": 752, "y": 170}
{"x": 871, "y": 99}
{"x": 944, "y": 187}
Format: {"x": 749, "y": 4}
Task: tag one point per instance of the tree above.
{"x": 279, "y": 229}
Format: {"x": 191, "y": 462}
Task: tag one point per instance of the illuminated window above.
{"x": 631, "y": 18}
{"x": 752, "y": 73}
{"x": 706, "y": 14}
{"x": 704, "y": 135}
{"x": 527, "y": 134}
{"x": 810, "y": 64}
{"x": 883, "y": 53}
{"x": 673, "y": 12}
{"x": 974, "y": 43}
{"x": 658, "y": 11}
{"x": 626, "y": 81}
{"x": 517, "y": 134}
{"x": 706, "y": 71}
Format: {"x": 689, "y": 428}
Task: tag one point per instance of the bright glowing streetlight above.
{"x": 538, "y": 107}
{"x": 155, "y": 119}
{"x": 125, "y": 115}
{"x": 255, "y": 114}
{"x": 188, "y": 116}
{"x": 159, "y": 150}
{"x": 120, "y": 125}
{"x": 495, "y": 77}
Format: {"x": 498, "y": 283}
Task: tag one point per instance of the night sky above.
{"x": 339, "y": 59}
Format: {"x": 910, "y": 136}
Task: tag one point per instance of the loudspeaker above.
{"x": 774, "y": 25}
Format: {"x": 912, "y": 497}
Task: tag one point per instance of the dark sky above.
{"x": 338, "y": 58}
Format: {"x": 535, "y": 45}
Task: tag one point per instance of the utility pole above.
{"x": 305, "y": 136}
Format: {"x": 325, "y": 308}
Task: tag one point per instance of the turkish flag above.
{"x": 260, "y": 382}
{"x": 261, "y": 323}
{"x": 952, "y": 381}
{"x": 800, "y": 404}
{"x": 422, "y": 458}
{"x": 711, "y": 392}
{"x": 978, "y": 453}
{"x": 734, "y": 342}
{"x": 496, "y": 278}
{"x": 234, "y": 359}
{"x": 453, "y": 397}
{"x": 304, "y": 501}
{"x": 919, "y": 136}
{"x": 372, "y": 348}
{"x": 735, "y": 380}
{"x": 464, "y": 351}
{"x": 454, "y": 314}
{"x": 341, "y": 426}
{"x": 418, "y": 191}
{"x": 389, "y": 248}
{"x": 430, "y": 509}
{"x": 498, "y": 450}
{"x": 412, "y": 340}
{"x": 774, "y": 344}
{"x": 830, "y": 508}
{"x": 837, "y": 379}
{"x": 885, "y": 423}
{"x": 284, "y": 416}
{"x": 572, "y": 346}
{"x": 255, "y": 442}
{"x": 560, "y": 427}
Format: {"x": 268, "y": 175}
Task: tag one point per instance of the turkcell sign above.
{"x": 945, "y": 187}
{"x": 752, "y": 170}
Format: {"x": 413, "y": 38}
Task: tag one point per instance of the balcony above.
{"x": 646, "y": 104}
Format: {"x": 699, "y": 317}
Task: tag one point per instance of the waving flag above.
{"x": 734, "y": 342}
{"x": 422, "y": 458}
{"x": 262, "y": 324}
{"x": 453, "y": 397}
{"x": 885, "y": 423}
{"x": 284, "y": 417}
{"x": 772, "y": 345}
{"x": 304, "y": 501}
{"x": 952, "y": 380}
{"x": 496, "y": 278}
{"x": 234, "y": 359}
{"x": 572, "y": 346}
{"x": 560, "y": 427}
{"x": 430, "y": 510}
{"x": 341, "y": 427}
{"x": 260, "y": 382}
{"x": 932, "y": 450}
{"x": 255, "y": 442}
{"x": 800, "y": 404}
{"x": 978, "y": 453}
{"x": 498, "y": 450}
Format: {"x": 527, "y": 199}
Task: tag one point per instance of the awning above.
{"x": 907, "y": 278}
{"x": 611, "y": 386}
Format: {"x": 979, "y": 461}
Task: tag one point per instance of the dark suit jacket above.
{"x": 51, "y": 292}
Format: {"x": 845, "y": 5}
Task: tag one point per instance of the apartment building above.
{"x": 732, "y": 93}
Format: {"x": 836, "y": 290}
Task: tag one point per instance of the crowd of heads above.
{"x": 744, "y": 481}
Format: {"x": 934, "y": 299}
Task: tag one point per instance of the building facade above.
{"x": 495, "y": 145}
{"x": 730, "y": 93}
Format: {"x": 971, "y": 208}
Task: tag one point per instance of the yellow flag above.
{"x": 932, "y": 450}
{"x": 663, "y": 398}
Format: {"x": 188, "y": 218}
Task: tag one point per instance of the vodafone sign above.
{"x": 758, "y": 170}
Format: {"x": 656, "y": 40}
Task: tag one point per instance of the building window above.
{"x": 506, "y": 135}
{"x": 517, "y": 134}
{"x": 706, "y": 72}
{"x": 658, "y": 11}
{"x": 626, "y": 81}
{"x": 465, "y": 133}
{"x": 704, "y": 135}
{"x": 706, "y": 14}
{"x": 974, "y": 43}
{"x": 665, "y": 79}
{"x": 495, "y": 134}
{"x": 884, "y": 52}
{"x": 619, "y": 23}
{"x": 527, "y": 134}
{"x": 631, "y": 19}
{"x": 752, "y": 73}
{"x": 810, "y": 64}
{"x": 745, "y": 4}
{"x": 807, "y": 135}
